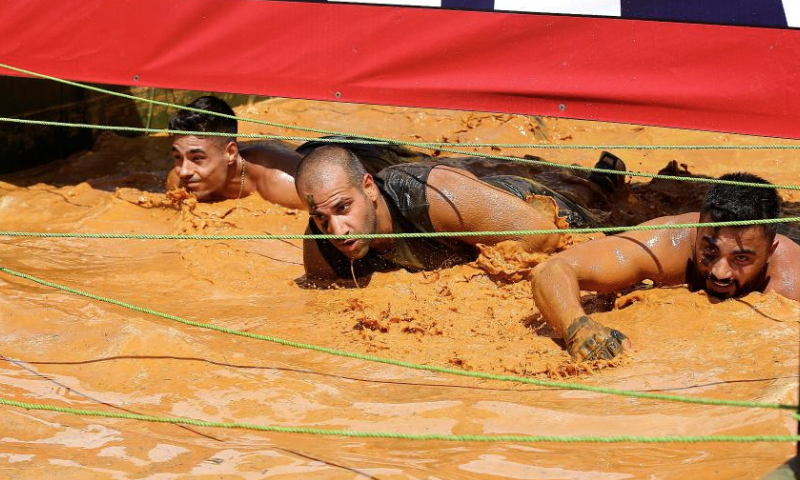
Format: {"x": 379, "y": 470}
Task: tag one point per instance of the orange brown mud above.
{"x": 64, "y": 350}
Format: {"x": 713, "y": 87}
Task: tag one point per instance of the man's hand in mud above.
{"x": 173, "y": 180}
{"x": 588, "y": 340}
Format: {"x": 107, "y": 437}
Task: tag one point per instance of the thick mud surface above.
{"x": 62, "y": 349}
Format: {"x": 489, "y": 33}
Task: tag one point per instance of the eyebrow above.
{"x": 711, "y": 240}
{"x": 191, "y": 150}
{"x": 745, "y": 251}
{"x": 338, "y": 201}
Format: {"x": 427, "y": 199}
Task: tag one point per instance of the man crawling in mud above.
{"x": 724, "y": 262}
{"x": 343, "y": 199}
{"x": 218, "y": 167}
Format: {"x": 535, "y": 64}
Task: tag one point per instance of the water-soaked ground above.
{"x": 65, "y": 350}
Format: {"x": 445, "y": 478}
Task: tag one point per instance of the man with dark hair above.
{"x": 218, "y": 167}
{"x": 725, "y": 262}
{"x": 343, "y": 198}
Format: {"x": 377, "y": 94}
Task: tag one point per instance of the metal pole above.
{"x": 150, "y": 107}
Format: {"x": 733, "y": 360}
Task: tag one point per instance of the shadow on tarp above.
{"x": 26, "y": 146}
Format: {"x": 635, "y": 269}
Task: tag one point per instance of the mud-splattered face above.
{"x": 202, "y": 164}
{"x": 733, "y": 261}
{"x": 339, "y": 208}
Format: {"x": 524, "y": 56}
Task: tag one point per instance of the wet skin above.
{"x": 458, "y": 201}
{"x": 729, "y": 262}
{"x": 211, "y": 169}
{"x": 205, "y": 166}
{"x": 339, "y": 208}
{"x": 732, "y": 260}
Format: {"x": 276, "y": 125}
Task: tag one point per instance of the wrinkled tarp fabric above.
{"x": 710, "y": 77}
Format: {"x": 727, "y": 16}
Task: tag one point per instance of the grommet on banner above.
{"x": 338, "y": 94}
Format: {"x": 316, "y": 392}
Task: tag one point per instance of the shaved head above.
{"x": 324, "y": 164}
{"x": 341, "y": 197}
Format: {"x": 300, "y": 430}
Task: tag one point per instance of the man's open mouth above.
{"x": 721, "y": 287}
{"x": 348, "y": 244}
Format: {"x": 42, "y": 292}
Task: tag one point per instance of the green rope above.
{"x": 382, "y": 140}
{"x": 501, "y": 233}
{"x": 406, "y": 436}
{"x": 166, "y": 131}
{"x": 398, "y": 363}
{"x": 439, "y": 146}
{"x": 355, "y": 139}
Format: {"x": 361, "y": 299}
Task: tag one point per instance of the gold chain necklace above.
{"x": 241, "y": 184}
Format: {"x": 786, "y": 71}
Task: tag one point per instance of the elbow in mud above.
{"x": 551, "y": 243}
{"x": 546, "y": 244}
{"x": 546, "y": 270}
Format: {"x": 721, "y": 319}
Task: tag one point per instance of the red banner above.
{"x": 710, "y": 77}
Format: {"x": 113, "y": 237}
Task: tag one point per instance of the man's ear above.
{"x": 370, "y": 187}
{"x": 773, "y": 247}
{"x": 231, "y": 152}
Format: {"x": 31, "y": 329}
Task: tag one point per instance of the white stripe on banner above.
{"x": 608, "y": 8}
{"x": 792, "y": 10}
{"x": 406, "y": 3}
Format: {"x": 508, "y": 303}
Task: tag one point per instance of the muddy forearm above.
{"x": 556, "y": 293}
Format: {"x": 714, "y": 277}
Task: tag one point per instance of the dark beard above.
{"x": 695, "y": 281}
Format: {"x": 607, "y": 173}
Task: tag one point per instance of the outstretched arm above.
{"x": 604, "y": 265}
{"x": 460, "y": 202}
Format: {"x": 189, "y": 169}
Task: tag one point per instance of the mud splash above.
{"x": 64, "y": 350}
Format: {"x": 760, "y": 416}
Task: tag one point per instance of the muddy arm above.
{"x": 604, "y": 265}
{"x": 459, "y": 201}
{"x": 274, "y": 165}
{"x": 278, "y": 187}
{"x": 785, "y": 280}
{"x": 557, "y": 293}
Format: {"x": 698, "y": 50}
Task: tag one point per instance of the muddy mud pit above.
{"x": 66, "y": 350}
